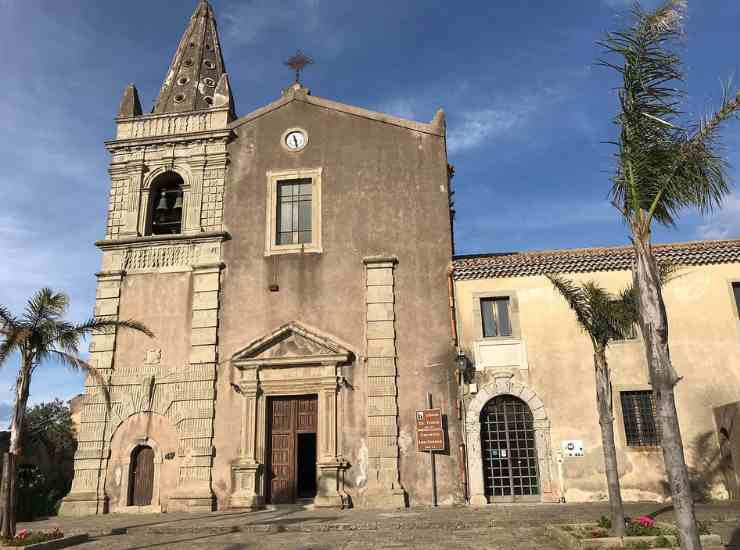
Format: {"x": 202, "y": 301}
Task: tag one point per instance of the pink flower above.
{"x": 645, "y": 521}
{"x": 22, "y": 534}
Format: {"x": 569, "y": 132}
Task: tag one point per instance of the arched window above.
{"x": 165, "y": 205}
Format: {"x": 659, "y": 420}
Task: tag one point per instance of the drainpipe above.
{"x": 462, "y": 454}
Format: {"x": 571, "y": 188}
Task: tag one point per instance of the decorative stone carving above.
{"x": 153, "y": 357}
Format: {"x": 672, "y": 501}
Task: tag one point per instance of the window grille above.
{"x": 736, "y": 292}
{"x": 293, "y": 214}
{"x": 496, "y": 316}
{"x": 640, "y": 427}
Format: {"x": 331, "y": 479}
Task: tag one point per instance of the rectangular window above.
{"x": 736, "y": 292}
{"x": 638, "y": 410}
{"x": 293, "y": 216}
{"x": 496, "y": 316}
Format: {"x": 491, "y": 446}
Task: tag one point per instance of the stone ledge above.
{"x": 567, "y": 540}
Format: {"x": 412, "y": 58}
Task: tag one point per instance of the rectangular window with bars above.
{"x": 293, "y": 214}
{"x": 496, "y": 316}
{"x": 640, "y": 426}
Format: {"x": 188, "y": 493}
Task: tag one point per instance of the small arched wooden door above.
{"x": 509, "y": 450}
{"x": 141, "y": 480}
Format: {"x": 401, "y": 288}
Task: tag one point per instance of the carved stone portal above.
{"x": 293, "y": 360}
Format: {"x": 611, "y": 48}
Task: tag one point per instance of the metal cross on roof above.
{"x": 298, "y": 62}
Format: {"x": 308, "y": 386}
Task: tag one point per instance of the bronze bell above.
{"x": 162, "y": 202}
{"x": 178, "y": 202}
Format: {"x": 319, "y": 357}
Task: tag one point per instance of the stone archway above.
{"x": 473, "y": 440}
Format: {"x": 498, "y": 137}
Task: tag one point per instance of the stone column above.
{"x": 248, "y": 471}
{"x": 194, "y": 492}
{"x": 383, "y": 485}
{"x": 87, "y": 495}
{"x": 329, "y": 463}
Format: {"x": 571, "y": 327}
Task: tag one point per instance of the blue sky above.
{"x": 527, "y": 113}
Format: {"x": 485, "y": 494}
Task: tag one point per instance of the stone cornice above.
{"x": 437, "y": 127}
{"x": 115, "y": 244}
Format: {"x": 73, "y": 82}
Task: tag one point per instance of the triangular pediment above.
{"x": 292, "y": 343}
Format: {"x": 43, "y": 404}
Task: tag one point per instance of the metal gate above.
{"x": 509, "y": 450}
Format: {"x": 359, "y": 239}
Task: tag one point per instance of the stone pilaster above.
{"x": 383, "y": 486}
{"x": 194, "y": 492}
{"x": 248, "y": 471}
{"x": 87, "y": 495}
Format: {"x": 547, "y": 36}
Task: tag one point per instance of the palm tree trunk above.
{"x": 606, "y": 420}
{"x": 663, "y": 378}
{"x": 8, "y": 497}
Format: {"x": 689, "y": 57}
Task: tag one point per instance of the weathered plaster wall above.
{"x": 383, "y": 192}
{"x": 704, "y": 340}
{"x": 162, "y": 301}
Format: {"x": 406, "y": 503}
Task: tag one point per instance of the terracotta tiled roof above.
{"x": 579, "y": 260}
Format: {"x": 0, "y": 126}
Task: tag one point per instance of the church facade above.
{"x": 296, "y": 268}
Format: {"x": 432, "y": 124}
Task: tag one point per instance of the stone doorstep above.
{"x": 64, "y": 542}
{"x": 709, "y": 542}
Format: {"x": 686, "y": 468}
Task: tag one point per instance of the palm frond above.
{"x": 45, "y": 305}
{"x": 576, "y": 299}
{"x": 7, "y": 319}
{"x": 11, "y": 342}
{"x": 76, "y": 364}
{"x": 663, "y": 168}
{"x": 104, "y": 324}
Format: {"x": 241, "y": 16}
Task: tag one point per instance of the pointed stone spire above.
{"x": 130, "y": 105}
{"x": 222, "y": 96}
{"x": 196, "y": 68}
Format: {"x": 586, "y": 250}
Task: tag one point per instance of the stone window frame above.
{"x": 514, "y": 315}
{"x": 730, "y": 288}
{"x": 617, "y": 390}
{"x": 275, "y": 176}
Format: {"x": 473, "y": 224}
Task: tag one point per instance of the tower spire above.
{"x": 196, "y": 68}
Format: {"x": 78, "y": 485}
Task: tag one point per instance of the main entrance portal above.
{"x": 509, "y": 450}
{"x": 292, "y": 448}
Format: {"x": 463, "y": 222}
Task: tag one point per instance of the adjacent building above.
{"x": 531, "y": 422}
{"x": 296, "y": 267}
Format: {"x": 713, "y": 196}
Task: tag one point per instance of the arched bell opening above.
{"x": 166, "y": 205}
{"x": 141, "y": 476}
{"x": 509, "y": 450}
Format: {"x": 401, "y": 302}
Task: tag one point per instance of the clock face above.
{"x": 295, "y": 140}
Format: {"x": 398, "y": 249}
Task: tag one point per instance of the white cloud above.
{"x": 402, "y": 107}
{"x": 475, "y": 127}
{"x": 247, "y": 21}
{"x": 723, "y": 224}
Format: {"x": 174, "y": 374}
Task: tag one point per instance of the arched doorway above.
{"x": 509, "y": 450}
{"x": 141, "y": 476}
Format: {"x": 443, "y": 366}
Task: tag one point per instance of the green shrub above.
{"x": 604, "y": 522}
{"x": 662, "y": 542}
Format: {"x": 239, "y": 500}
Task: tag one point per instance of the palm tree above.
{"x": 665, "y": 164}
{"x": 38, "y": 335}
{"x": 604, "y": 318}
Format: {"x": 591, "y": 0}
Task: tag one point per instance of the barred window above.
{"x": 638, "y": 410}
{"x": 496, "y": 316}
{"x": 293, "y": 212}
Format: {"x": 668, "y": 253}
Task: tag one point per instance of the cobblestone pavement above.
{"x": 512, "y": 527}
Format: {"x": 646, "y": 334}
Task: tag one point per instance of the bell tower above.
{"x": 164, "y": 231}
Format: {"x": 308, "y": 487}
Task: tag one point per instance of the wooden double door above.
{"x": 292, "y": 439}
